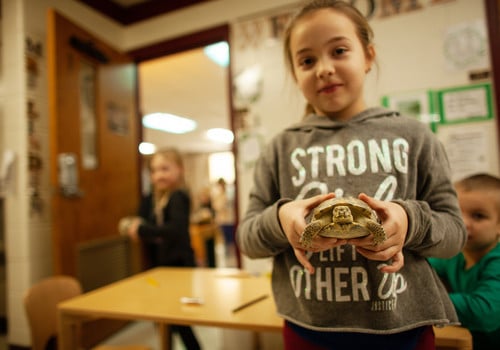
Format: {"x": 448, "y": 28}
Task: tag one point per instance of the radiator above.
{"x": 103, "y": 261}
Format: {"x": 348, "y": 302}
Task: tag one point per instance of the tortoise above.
{"x": 343, "y": 218}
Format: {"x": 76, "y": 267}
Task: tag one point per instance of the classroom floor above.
{"x": 144, "y": 333}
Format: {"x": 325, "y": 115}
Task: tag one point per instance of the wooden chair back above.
{"x": 40, "y": 303}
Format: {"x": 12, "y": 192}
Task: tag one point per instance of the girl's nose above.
{"x": 325, "y": 69}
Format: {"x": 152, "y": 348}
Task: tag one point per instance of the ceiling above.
{"x": 131, "y": 11}
{"x": 186, "y": 84}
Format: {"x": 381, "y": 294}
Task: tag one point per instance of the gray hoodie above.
{"x": 384, "y": 155}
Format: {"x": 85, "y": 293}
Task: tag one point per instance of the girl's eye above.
{"x": 306, "y": 62}
{"x": 339, "y": 51}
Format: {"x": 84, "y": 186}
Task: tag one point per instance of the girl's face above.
{"x": 165, "y": 173}
{"x": 481, "y": 218}
{"x": 330, "y": 63}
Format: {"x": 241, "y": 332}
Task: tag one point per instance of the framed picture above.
{"x": 416, "y": 104}
{"x": 465, "y": 103}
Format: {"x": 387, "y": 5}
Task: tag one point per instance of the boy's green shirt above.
{"x": 475, "y": 293}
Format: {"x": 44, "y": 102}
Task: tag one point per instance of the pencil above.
{"x": 250, "y": 303}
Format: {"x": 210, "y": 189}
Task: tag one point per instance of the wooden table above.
{"x": 453, "y": 337}
{"x": 155, "y": 295}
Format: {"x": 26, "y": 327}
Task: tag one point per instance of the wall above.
{"x": 14, "y": 100}
{"x": 25, "y": 130}
{"x": 413, "y": 57}
{"x": 410, "y": 57}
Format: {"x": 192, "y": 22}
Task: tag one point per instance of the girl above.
{"x": 351, "y": 294}
{"x": 163, "y": 222}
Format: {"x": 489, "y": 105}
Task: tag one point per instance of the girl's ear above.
{"x": 370, "y": 58}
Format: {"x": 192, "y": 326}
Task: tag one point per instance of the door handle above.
{"x": 68, "y": 175}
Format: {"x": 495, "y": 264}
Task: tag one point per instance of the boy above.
{"x": 473, "y": 276}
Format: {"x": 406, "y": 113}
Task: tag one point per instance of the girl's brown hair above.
{"x": 363, "y": 29}
{"x": 173, "y": 155}
{"x": 160, "y": 199}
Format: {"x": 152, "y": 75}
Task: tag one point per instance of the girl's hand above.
{"x": 395, "y": 222}
{"x": 133, "y": 229}
{"x": 292, "y": 219}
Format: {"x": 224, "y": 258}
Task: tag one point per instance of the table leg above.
{"x": 165, "y": 332}
{"x": 68, "y": 332}
{"x": 256, "y": 341}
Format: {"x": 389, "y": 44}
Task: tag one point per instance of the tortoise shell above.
{"x": 343, "y": 218}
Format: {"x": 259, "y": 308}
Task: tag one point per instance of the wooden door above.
{"x": 492, "y": 11}
{"x": 94, "y": 122}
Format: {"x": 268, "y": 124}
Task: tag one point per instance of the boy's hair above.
{"x": 481, "y": 182}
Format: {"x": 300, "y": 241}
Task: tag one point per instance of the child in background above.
{"x": 473, "y": 276}
{"x": 163, "y": 222}
{"x": 351, "y": 294}
{"x": 224, "y": 215}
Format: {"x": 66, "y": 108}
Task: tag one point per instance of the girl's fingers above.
{"x": 316, "y": 200}
{"x": 396, "y": 264}
{"x": 372, "y": 202}
{"x": 377, "y": 205}
{"x": 381, "y": 255}
{"x": 393, "y": 260}
{"x": 302, "y": 258}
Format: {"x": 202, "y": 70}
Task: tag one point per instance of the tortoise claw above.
{"x": 310, "y": 231}
{"x": 378, "y": 232}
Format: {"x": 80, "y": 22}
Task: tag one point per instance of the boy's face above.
{"x": 480, "y": 212}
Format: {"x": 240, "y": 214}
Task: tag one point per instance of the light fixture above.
{"x": 220, "y": 135}
{"x": 169, "y": 123}
{"x": 218, "y": 52}
{"x": 146, "y": 148}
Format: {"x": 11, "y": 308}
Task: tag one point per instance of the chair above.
{"x": 40, "y": 303}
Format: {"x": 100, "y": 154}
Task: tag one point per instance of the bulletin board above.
{"x": 462, "y": 118}
{"x": 465, "y": 104}
{"x": 467, "y": 129}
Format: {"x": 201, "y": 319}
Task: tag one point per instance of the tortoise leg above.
{"x": 378, "y": 232}
{"x": 309, "y": 233}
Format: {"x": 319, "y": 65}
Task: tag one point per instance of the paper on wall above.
{"x": 467, "y": 149}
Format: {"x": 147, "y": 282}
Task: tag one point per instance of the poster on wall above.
{"x": 416, "y": 104}
{"x": 33, "y": 56}
{"x": 117, "y": 118}
{"x": 467, "y": 149}
{"x": 465, "y": 103}
{"x": 88, "y": 115}
{"x": 465, "y": 46}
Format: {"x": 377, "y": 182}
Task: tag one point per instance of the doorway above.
{"x": 178, "y": 77}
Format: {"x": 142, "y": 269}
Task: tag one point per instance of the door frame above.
{"x": 492, "y": 11}
{"x": 185, "y": 43}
